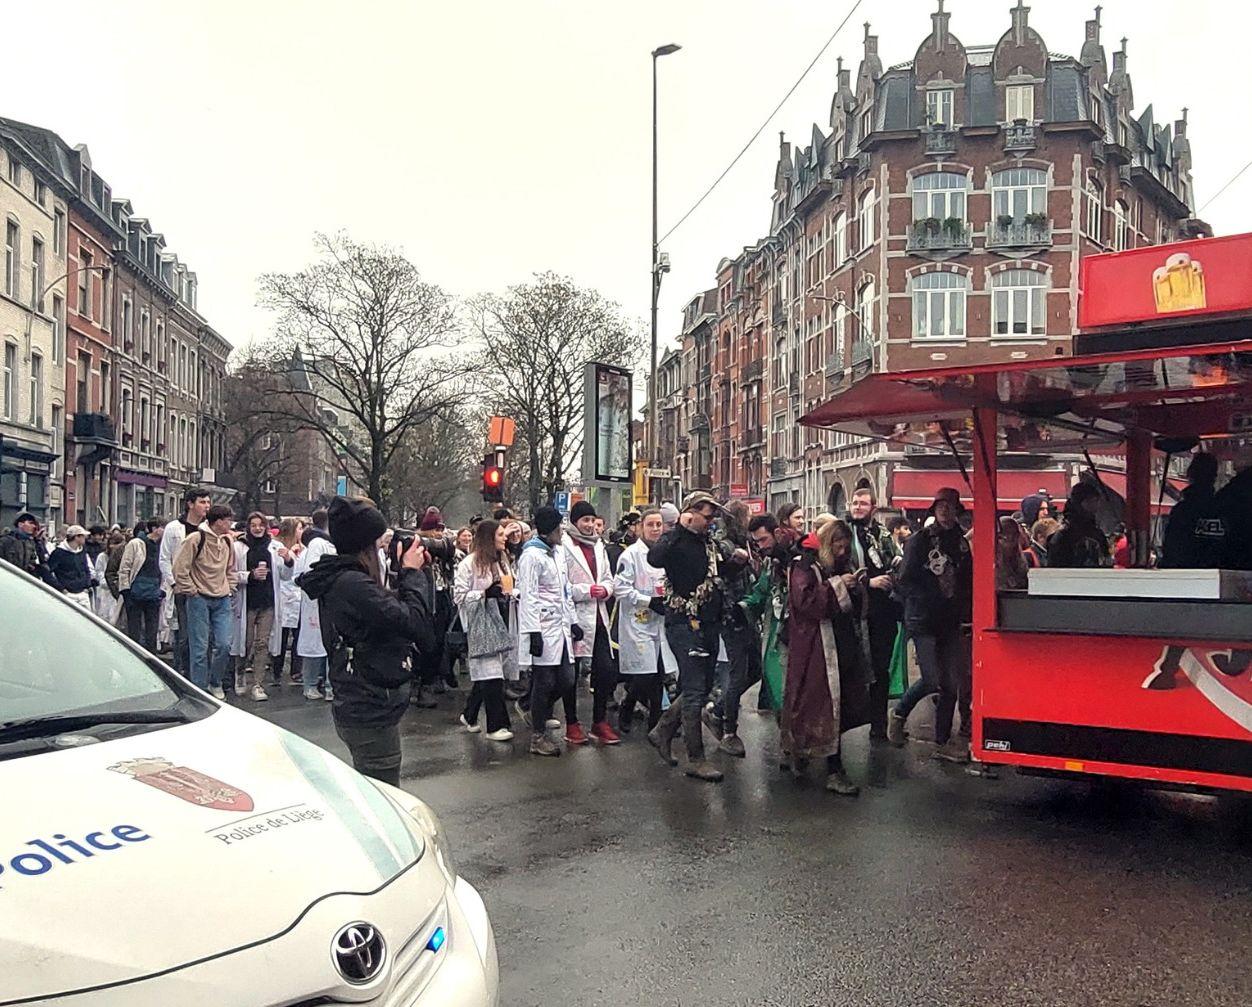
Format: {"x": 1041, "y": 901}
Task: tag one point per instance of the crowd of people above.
{"x": 673, "y": 616}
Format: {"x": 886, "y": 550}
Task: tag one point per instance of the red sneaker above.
{"x": 605, "y": 734}
{"x": 575, "y": 735}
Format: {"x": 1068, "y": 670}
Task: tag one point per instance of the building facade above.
{"x": 134, "y": 391}
{"x": 938, "y": 221}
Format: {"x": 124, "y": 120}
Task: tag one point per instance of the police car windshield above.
{"x": 55, "y": 661}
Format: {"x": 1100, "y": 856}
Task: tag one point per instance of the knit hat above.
{"x": 1031, "y": 506}
{"x": 581, "y": 510}
{"x": 669, "y": 515}
{"x": 354, "y": 524}
{"x": 548, "y": 520}
{"x": 432, "y": 521}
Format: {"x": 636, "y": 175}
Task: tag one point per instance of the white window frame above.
{"x": 85, "y": 264}
{"x": 939, "y": 297}
{"x": 1019, "y": 102}
{"x": 37, "y": 272}
{"x": 58, "y": 231}
{"x": 36, "y": 390}
{"x": 13, "y": 258}
{"x": 1019, "y": 301}
{"x": 1121, "y": 229}
{"x": 58, "y": 328}
{"x": 1018, "y": 189}
{"x": 1093, "y": 217}
{"x": 865, "y": 220}
{"x": 841, "y": 240}
{"x": 941, "y": 201}
{"x": 10, "y": 380}
{"x": 940, "y": 106}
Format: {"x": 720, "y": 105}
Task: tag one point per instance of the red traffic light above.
{"x": 493, "y": 476}
{"x": 493, "y": 481}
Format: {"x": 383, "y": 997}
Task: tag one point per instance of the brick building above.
{"x": 938, "y": 220}
{"x": 135, "y": 386}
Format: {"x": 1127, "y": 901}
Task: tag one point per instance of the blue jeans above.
{"x": 312, "y": 670}
{"x": 209, "y": 621}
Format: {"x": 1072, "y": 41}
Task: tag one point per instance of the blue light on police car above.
{"x": 436, "y": 940}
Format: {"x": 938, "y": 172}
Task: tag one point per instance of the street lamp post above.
{"x": 38, "y": 300}
{"x": 657, "y": 269}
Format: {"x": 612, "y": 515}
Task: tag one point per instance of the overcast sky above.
{"x": 490, "y": 139}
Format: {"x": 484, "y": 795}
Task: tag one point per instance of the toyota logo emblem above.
{"x": 360, "y": 953}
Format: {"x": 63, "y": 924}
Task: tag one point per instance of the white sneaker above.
{"x": 552, "y": 724}
{"x": 312, "y": 694}
{"x": 470, "y": 728}
{"x": 329, "y": 695}
{"x": 259, "y": 694}
{"x": 504, "y": 734}
{"x": 218, "y": 692}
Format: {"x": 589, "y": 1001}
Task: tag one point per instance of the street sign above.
{"x": 658, "y": 473}
{"x": 738, "y": 489}
{"x": 560, "y": 500}
{"x": 756, "y": 505}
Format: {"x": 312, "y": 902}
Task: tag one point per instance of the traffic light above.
{"x": 493, "y": 481}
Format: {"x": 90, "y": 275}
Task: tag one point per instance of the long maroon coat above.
{"x": 827, "y": 688}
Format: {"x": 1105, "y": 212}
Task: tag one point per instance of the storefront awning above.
{"x": 914, "y": 489}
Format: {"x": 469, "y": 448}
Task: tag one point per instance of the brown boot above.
{"x": 661, "y": 737}
{"x": 704, "y": 770}
{"x": 697, "y": 766}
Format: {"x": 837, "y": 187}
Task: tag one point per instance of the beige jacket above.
{"x": 211, "y": 573}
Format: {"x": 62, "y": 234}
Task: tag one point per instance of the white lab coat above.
{"x": 586, "y": 608}
{"x": 239, "y": 599}
{"x": 640, "y": 631}
{"x": 544, "y": 603}
{"x": 287, "y": 592}
{"x": 171, "y": 541}
{"x": 467, "y": 593}
{"x": 310, "y": 642}
{"x": 105, "y": 605}
{"x": 279, "y": 572}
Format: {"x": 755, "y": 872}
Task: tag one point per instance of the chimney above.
{"x": 871, "y": 42}
{"x": 1119, "y": 58}
{"x": 940, "y": 30}
{"x": 1093, "y": 26}
{"x": 845, "y": 76}
{"x": 1020, "y": 13}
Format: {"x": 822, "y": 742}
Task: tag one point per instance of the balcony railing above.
{"x": 753, "y": 370}
{"x": 793, "y": 382}
{"x": 834, "y": 365}
{"x": 752, "y": 437}
{"x": 1020, "y": 136}
{"x": 777, "y": 468}
{"x": 94, "y": 428}
{"x": 1030, "y": 232}
{"x": 681, "y": 444}
{"x": 940, "y": 141}
{"x": 862, "y": 352}
{"x": 932, "y": 234}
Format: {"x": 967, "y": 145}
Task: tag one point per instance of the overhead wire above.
{"x": 760, "y": 129}
{"x": 1233, "y": 180}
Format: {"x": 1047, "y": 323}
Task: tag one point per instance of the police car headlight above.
{"x": 433, "y": 830}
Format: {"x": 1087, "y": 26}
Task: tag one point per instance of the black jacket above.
{"x": 1080, "y": 544}
{"x": 1234, "y": 503}
{"x": 1195, "y": 535}
{"x": 27, "y": 555}
{"x": 683, "y": 555}
{"x": 935, "y": 604}
{"x": 72, "y": 570}
{"x": 375, "y": 628}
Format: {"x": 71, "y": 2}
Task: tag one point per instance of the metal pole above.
{"x": 652, "y": 412}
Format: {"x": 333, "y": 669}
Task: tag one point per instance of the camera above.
{"x": 438, "y": 547}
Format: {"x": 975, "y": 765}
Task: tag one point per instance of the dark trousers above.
{"x": 743, "y": 649}
{"x": 375, "y": 750}
{"x": 882, "y": 640}
{"x": 695, "y": 650}
{"x": 142, "y": 619}
{"x": 489, "y": 694}
{"x": 944, "y": 662}
{"x": 603, "y": 675}
{"x": 646, "y": 690}
{"x": 182, "y": 641}
{"x": 547, "y": 681}
{"x": 287, "y": 641}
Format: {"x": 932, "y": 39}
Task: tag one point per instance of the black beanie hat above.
{"x": 581, "y": 510}
{"x": 547, "y": 520}
{"x": 355, "y": 525}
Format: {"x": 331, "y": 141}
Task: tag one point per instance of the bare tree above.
{"x": 254, "y": 435}
{"x": 364, "y": 337}
{"x": 435, "y": 463}
{"x": 536, "y": 338}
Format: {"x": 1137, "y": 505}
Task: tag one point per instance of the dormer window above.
{"x": 1019, "y": 100}
{"x": 867, "y": 122}
{"x": 939, "y": 107}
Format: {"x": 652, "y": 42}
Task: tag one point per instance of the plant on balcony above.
{"x": 954, "y": 228}
{"x": 1036, "y": 221}
{"x": 928, "y": 225}
{"x": 1004, "y": 221}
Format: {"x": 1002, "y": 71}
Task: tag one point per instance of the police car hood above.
{"x": 129, "y": 857}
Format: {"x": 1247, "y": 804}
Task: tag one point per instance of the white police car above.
{"x": 160, "y": 848}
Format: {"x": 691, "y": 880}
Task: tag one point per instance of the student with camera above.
{"x": 369, "y": 632}
{"x": 486, "y": 597}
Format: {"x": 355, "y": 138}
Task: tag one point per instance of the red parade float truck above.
{"x": 1142, "y": 673}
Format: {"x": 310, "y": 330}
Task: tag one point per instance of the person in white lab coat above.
{"x": 485, "y": 578}
{"x": 643, "y": 655}
{"x": 309, "y": 645}
{"x": 289, "y": 545}
{"x": 547, "y": 630}
{"x": 591, "y": 585}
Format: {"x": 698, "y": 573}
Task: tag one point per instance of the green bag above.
{"x": 899, "y": 665}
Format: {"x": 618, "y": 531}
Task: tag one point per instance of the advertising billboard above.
{"x": 607, "y": 399}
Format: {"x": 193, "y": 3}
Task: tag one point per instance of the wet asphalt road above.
{"x": 611, "y": 879}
